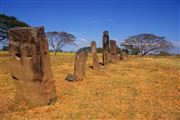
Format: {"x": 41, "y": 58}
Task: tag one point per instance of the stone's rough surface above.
{"x": 123, "y": 56}
{"x": 113, "y": 51}
{"x": 30, "y": 66}
{"x": 96, "y": 65}
{"x": 106, "y": 48}
{"x": 71, "y": 78}
{"x": 80, "y": 64}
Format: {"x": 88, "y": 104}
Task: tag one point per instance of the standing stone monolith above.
{"x": 96, "y": 65}
{"x": 30, "y": 66}
{"x": 123, "y": 55}
{"x": 113, "y": 51}
{"x": 80, "y": 64}
{"x": 106, "y": 48}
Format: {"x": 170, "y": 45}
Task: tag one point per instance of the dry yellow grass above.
{"x": 136, "y": 88}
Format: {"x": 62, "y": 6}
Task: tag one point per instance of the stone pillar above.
{"x": 79, "y": 66}
{"x": 30, "y": 66}
{"x": 113, "y": 51}
{"x": 123, "y": 55}
{"x": 106, "y": 49}
{"x": 96, "y": 65}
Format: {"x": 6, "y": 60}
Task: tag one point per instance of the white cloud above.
{"x": 176, "y": 44}
{"x": 176, "y": 48}
{"x": 82, "y": 42}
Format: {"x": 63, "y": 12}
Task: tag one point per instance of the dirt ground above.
{"x": 133, "y": 89}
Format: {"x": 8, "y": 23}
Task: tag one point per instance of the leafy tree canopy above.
{"x": 8, "y": 22}
{"x": 146, "y": 44}
{"x": 57, "y": 40}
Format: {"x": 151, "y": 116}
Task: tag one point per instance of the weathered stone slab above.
{"x": 30, "y": 66}
{"x": 123, "y": 56}
{"x": 71, "y": 78}
{"x": 113, "y": 51}
{"x": 96, "y": 65}
{"x": 106, "y": 48}
{"x": 80, "y": 64}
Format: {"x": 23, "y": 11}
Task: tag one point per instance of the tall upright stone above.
{"x": 96, "y": 65}
{"x": 30, "y": 66}
{"x": 80, "y": 64}
{"x": 106, "y": 48}
{"x": 113, "y": 51}
{"x": 123, "y": 55}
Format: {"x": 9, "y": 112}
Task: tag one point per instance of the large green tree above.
{"x": 57, "y": 40}
{"x": 144, "y": 44}
{"x": 8, "y": 22}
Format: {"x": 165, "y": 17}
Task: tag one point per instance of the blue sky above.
{"x": 87, "y": 19}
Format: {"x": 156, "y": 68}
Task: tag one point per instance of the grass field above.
{"x": 133, "y": 89}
